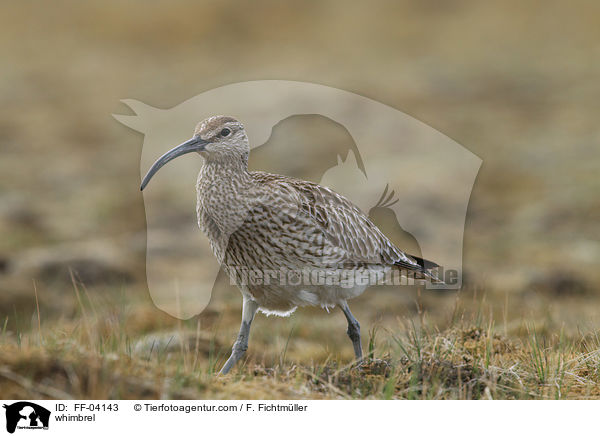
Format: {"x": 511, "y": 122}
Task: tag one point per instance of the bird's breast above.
{"x": 222, "y": 207}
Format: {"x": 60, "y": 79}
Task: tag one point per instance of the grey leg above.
{"x": 240, "y": 346}
{"x": 353, "y": 330}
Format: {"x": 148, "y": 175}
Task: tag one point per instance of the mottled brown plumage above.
{"x": 269, "y": 223}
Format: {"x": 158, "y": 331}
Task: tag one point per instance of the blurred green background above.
{"x": 515, "y": 82}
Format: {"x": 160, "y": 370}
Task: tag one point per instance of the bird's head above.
{"x": 218, "y": 138}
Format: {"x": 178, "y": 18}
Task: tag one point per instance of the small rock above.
{"x": 172, "y": 342}
{"x": 92, "y": 263}
{"x": 561, "y": 284}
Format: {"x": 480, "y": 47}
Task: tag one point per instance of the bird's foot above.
{"x": 237, "y": 353}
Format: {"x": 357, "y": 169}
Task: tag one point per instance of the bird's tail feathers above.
{"x": 423, "y": 269}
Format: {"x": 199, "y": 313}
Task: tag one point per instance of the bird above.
{"x": 283, "y": 230}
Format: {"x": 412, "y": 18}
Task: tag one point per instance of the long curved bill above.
{"x": 194, "y": 144}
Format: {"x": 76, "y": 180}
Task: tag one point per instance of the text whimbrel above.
{"x": 308, "y": 244}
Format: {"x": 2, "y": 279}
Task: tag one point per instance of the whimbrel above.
{"x": 266, "y": 223}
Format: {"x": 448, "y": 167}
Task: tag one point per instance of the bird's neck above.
{"x": 226, "y": 170}
{"x": 222, "y": 197}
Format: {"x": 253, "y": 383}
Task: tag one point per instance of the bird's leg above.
{"x": 353, "y": 330}
{"x": 249, "y": 308}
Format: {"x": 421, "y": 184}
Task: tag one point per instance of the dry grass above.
{"x": 130, "y": 350}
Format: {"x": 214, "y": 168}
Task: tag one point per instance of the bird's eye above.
{"x": 225, "y": 132}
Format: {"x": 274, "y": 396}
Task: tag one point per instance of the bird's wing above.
{"x": 344, "y": 225}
